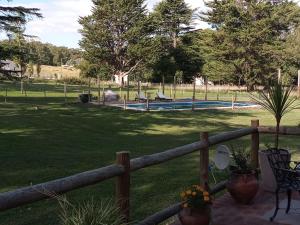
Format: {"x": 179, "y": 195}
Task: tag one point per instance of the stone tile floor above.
{"x": 227, "y": 212}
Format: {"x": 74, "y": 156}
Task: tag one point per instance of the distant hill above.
{"x": 54, "y": 72}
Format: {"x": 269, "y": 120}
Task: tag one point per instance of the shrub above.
{"x": 73, "y": 81}
{"x": 89, "y": 213}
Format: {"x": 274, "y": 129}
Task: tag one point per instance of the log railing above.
{"x": 124, "y": 167}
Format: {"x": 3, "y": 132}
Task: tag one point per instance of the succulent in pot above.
{"x": 243, "y": 182}
{"x": 196, "y": 206}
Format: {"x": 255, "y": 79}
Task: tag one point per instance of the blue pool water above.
{"x": 186, "y": 105}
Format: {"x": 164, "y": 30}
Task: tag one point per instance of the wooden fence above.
{"x": 123, "y": 168}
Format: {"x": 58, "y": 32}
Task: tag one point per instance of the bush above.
{"x": 74, "y": 81}
{"x": 89, "y": 213}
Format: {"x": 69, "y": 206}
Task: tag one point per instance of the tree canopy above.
{"x": 250, "y": 36}
{"x": 115, "y": 34}
{"x": 11, "y": 18}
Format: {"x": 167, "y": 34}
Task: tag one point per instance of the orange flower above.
{"x": 205, "y": 193}
{"x": 199, "y": 188}
{"x": 206, "y": 199}
{"x": 194, "y": 193}
{"x": 182, "y": 195}
{"x": 185, "y": 205}
{"x": 188, "y": 192}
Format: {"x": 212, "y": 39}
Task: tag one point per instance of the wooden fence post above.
{"x": 204, "y": 160}
{"x": 255, "y": 143}
{"x": 5, "y": 100}
{"x": 65, "y": 91}
{"x": 123, "y": 185}
{"x": 125, "y": 102}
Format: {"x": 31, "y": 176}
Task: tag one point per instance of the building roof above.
{"x": 9, "y": 66}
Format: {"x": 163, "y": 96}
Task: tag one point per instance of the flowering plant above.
{"x": 196, "y": 197}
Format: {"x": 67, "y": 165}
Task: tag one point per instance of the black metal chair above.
{"x": 287, "y": 177}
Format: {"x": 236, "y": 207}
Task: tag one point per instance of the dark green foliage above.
{"x": 242, "y": 159}
{"x": 250, "y": 36}
{"x": 12, "y": 18}
{"x": 172, "y": 18}
{"x": 40, "y": 53}
{"x": 115, "y": 34}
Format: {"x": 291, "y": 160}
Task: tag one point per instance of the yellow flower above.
{"x": 185, "y": 205}
{"x": 205, "y": 193}
{"x": 188, "y": 192}
{"x": 182, "y": 195}
{"x": 200, "y": 189}
{"x": 194, "y": 193}
{"x": 206, "y": 199}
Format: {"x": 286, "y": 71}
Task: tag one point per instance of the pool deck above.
{"x": 226, "y": 212}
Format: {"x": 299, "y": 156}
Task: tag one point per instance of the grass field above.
{"x": 61, "y": 139}
{"x": 58, "y": 71}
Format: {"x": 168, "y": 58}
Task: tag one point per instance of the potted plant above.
{"x": 278, "y": 101}
{"x": 196, "y": 206}
{"x": 243, "y": 182}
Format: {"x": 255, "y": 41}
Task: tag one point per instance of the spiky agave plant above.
{"x": 278, "y": 101}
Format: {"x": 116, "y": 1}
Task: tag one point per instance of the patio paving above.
{"x": 227, "y": 212}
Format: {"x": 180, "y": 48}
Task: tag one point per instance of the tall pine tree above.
{"x": 14, "y": 17}
{"x": 115, "y": 35}
{"x": 251, "y": 34}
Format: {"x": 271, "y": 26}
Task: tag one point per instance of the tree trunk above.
{"x": 174, "y": 40}
{"x": 128, "y": 88}
{"x": 163, "y": 80}
{"x": 277, "y": 134}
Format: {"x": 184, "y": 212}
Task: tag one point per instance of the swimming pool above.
{"x": 185, "y": 105}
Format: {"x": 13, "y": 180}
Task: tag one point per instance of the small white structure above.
{"x": 200, "y": 81}
{"x": 121, "y": 80}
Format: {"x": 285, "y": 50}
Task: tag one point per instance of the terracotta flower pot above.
{"x": 243, "y": 186}
{"x": 188, "y": 216}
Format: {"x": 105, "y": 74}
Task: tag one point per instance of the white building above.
{"x": 200, "y": 81}
{"x": 121, "y": 80}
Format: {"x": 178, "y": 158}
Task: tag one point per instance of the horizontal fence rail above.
{"x": 282, "y": 130}
{"x": 38, "y": 192}
{"x": 174, "y": 209}
{"x": 124, "y": 166}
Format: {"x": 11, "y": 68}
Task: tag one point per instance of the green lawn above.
{"x": 58, "y": 140}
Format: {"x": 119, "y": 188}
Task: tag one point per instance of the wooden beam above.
{"x": 282, "y": 130}
{"x": 157, "y": 158}
{"x": 217, "y": 139}
{"x": 38, "y": 192}
{"x": 162, "y": 215}
{"x": 204, "y": 160}
{"x": 175, "y": 208}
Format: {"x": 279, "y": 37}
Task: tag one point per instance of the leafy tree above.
{"x": 115, "y": 35}
{"x": 30, "y": 68}
{"x": 251, "y": 35}
{"x": 11, "y": 18}
{"x": 38, "y": 69}
{"x": 172, "y": 18}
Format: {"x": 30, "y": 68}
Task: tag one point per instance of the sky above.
{"x": 60, "y": 23}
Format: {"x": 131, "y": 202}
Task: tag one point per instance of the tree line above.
{"x": 247, "y": 43}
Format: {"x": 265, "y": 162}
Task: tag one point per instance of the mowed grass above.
{"x": 57, "y": 139}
